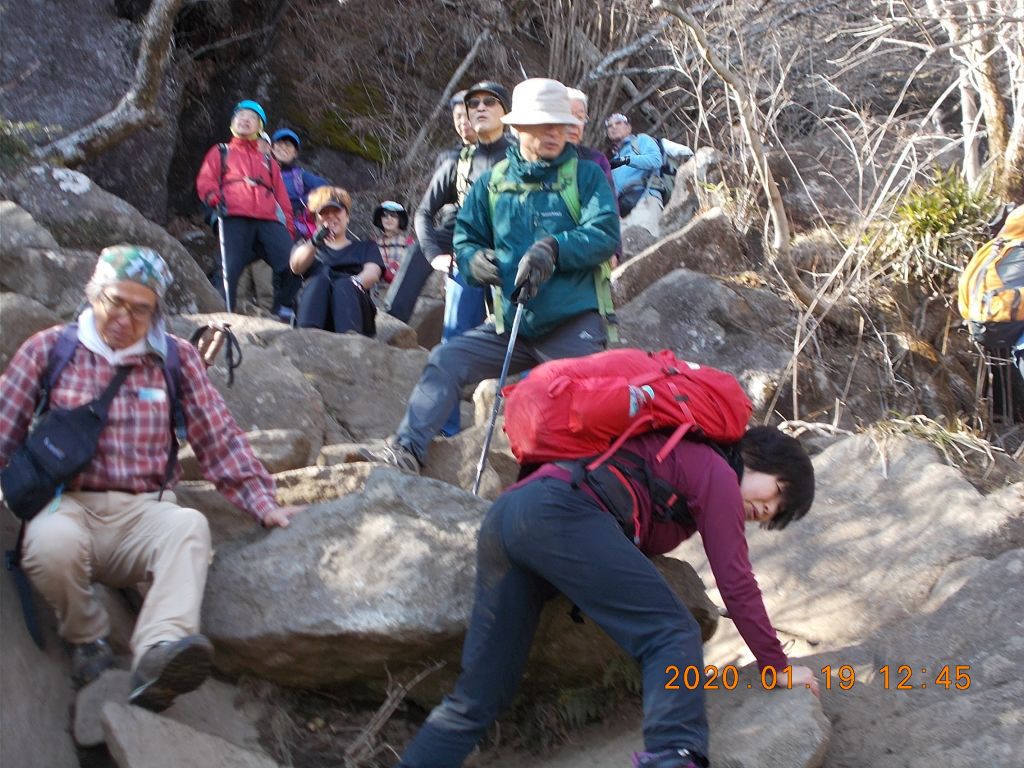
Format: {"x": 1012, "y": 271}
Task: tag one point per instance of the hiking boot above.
{"x": 169, "y": 669}
{"x": 393, "y": 453}
{"x": 89, "y": 661}
{"x": 668, "y": 758}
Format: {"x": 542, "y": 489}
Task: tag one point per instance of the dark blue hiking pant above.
{"x": 332, "y": 302}
{"x": 242, "y": 241}
{"x": 477, "y": 355}
{"x": 537, "y": 539}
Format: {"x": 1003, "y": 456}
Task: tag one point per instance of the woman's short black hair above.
{"x": 766, "y": 449}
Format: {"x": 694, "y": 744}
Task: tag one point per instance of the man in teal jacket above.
{"x": 518, "y": 231}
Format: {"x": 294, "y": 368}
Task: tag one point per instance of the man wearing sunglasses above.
{"x": 486, "y": 103}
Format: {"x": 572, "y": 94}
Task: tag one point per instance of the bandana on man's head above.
{"x": 136, "y": 263}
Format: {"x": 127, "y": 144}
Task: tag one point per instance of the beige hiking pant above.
{"x": 120, "y": 540}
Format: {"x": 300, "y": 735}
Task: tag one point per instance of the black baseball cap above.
{"x": 495, "y": 89}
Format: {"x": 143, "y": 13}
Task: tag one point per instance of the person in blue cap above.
{"x": 297, "y": 180}
{"x": 244, "y": 186}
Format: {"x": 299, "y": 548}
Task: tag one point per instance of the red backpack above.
{"x": 589, "y": 406}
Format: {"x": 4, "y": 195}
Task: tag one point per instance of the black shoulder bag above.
{"x": 59, "y": 447}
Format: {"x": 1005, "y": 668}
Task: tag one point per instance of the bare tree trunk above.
{"x": 138, "y": 107}
{"x": 986, "y": 78}
{"x": 779, "y": 253}
{"x": 431, "y": 121}
{"x": 969, "y": 126}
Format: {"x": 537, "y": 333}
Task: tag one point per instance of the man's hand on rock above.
{"x": 281, "y": 517}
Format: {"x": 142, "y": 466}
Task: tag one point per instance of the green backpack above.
{"x": 567, "y": 186}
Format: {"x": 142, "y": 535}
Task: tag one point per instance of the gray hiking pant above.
{"x": 477, "y": 355}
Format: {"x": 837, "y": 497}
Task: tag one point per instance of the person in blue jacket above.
{"x": 298, "y": 181}
{"x": 532, "y": 247}
{"x": 635, "y": 160}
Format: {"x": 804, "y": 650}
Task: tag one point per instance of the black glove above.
{"x": 321, "y": 236}
{"x": 535, "y": 267}
{"x": 484, "y": 267}
{"x": 617, "y": 162}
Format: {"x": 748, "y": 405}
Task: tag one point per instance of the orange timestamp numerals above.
{"x": 725, "y": 678}
{"x": 843, "y": 677}
{"x": 903, "y": 677}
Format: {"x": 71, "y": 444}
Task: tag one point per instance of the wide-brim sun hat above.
{"x": 393, "y": 207}
{"x": 540, "y": 101}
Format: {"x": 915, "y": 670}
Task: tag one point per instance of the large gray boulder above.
{"x": 753, "y": 727}
{"x": 137, "y": 738}
{"x": 364, "y": 385}
{"x": 277, "y": 449}
{"x": 977, "y": 632}
{"x": 695, "y": 184}
{"x": 103, "y": 45}
{"x": 36, "y": 691}
{"x": 377, "y": 583}
{"x": 714, "y": 323}
{"x": 455, "y": 460}
{"x": 379, "y": 578}
{"x": 20, "y": 317}
{"x": 215, "y": 707}
{"x": 708, "y": 244}
{"x": 81, "y": 215}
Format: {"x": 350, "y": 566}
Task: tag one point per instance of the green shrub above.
{"x": 937, "y": 226}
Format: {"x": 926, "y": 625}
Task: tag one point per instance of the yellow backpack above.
{"x": 991, "y": 293}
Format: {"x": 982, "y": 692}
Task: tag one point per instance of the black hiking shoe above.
{"x": 89, "y": 661}
{"x": 169, "y": 669}
{"x": 394, "y": 454}
{"x": 668, "y": 758}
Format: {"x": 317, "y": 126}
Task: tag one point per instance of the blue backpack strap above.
{"x": 179, "y": 431}
{"x": 60, "y": 355}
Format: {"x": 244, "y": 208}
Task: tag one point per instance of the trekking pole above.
{"x": 497, "y": 395}
{"x": 224, "y": 264}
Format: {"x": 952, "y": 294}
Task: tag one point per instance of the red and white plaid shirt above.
{"x": 133, "y": 447}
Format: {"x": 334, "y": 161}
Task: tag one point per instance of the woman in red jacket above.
{"x": 244, "y": 186}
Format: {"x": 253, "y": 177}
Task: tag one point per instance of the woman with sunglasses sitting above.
{"x": 337, "y": 273}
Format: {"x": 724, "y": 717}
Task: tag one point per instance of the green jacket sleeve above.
{"x": 473, "y": 227}
{"x": 596, "y": 237}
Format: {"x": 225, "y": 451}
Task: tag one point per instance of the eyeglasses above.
{"x": 389, "y": 215}
{"x": 137, "y": 312}
{"x": 476, "y": 101}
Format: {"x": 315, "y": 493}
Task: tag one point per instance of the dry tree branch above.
{"x": 779, "y": 254}
{"x": 365, "y": 745}
{"x": 602, "y": 68}
{"x": 449, "y": 89}
{"x": 138, "y": 107}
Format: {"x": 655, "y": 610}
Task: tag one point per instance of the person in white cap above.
{"x": 533, "y": 247}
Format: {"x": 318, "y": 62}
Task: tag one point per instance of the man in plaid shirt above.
{"x": 112, "y": 524}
